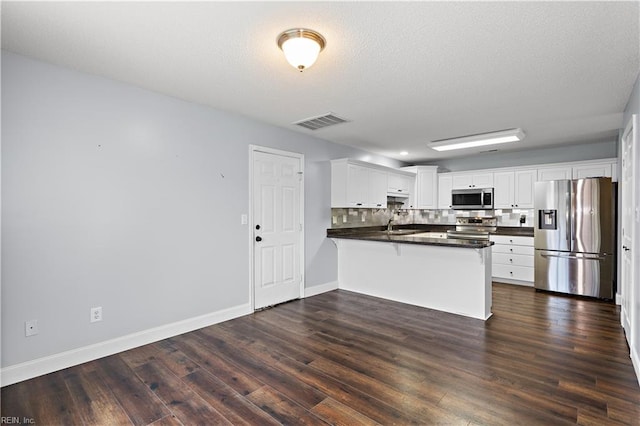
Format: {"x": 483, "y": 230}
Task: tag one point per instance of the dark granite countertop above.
{"x": 378, "y": 233}
{"x": 516, "y": 231}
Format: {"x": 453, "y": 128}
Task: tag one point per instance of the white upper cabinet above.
{"x": 377, "y": 189}
{"x": 399, "y": 184}
{"x": 365, "y": 185}
{"x": 478, "y": 179}
{"x": 554, "y": 173}
{"x": 579, "y": 170}
{"x": 358, "y": 184}
{"x": 592, "y": 170}
{"x": 427, "y": 187}
{"x": 503, "y": 197}
{"x": 524, "y": 189}
{"x": 445, "y": 185}
{"x": 424, "y": 194}
{"x": 513, "y": 189}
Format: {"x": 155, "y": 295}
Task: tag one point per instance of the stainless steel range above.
{"x": 473, "y": 228}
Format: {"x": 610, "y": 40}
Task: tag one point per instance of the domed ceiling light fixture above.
{"x": 301, "y": 46}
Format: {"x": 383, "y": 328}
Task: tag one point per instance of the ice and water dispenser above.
{"x": 547, "y": 219}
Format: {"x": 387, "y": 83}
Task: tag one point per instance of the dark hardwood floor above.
{"x": 344, "y": 358}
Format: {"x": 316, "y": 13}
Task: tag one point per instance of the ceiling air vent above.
{"x": 315, "y": 123}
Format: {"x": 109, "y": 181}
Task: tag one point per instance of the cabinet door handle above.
{"x": 358, "y": 204}
{"x": 511, "y": 260}
{"x": 511, "y": 250}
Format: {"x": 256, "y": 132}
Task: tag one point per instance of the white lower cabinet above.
{"x": 512, "y": 259}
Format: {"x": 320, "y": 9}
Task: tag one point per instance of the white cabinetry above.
{"x": 512, "y": 259}
{"x": 472, "y": 180}
{"x": 357, "y": 186}
{"x": 514, "y": 189}
{"x": 554, "y": 173}
{"x": 592, "y": 170}
{"x": 503, "y": 190}
{"x": 524, "y": 189}
{"x": 354, "y": 184}
{"x": 445, "y": 185}
{"x": 426, "y": 187}
{"x": 399, "y": 184}
{"x": 377, "y": 189}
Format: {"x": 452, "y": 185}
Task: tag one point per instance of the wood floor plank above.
{"x": 411, "y": 398}
{"x": 346, "y": 358}
{"x": 163, "y": 351}
{"x": 339, "y": 414}
{"x": 190, "y": 344}
{"x": 95, "y": 403}
{"x": 184, "y": 403}
{"x": 167, "y": 421}
{"x": 288, "y": 385}
{"x": 237, "y": 409}
{"x": 140, "y": 403}
{"x": 283, "y": 409}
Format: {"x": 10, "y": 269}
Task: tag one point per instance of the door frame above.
{"x": 632, "y": 318}
{"x": 251, "y": 233}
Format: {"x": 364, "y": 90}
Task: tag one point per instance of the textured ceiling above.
{"x": 403, "y": 73}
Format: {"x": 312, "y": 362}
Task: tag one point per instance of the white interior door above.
{"x": 277, "y": 227}
{"x": 629, "y": 291}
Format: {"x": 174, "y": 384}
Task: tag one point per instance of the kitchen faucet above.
{"x": 389, "y": 225}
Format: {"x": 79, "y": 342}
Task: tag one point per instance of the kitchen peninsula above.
{"x": 410, "y": 266}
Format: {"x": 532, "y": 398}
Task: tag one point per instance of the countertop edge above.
{"x": 409, "y": 239}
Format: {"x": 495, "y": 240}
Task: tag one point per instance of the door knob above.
{"x": 625, "y": 248}
{"x": 258, "y": 239}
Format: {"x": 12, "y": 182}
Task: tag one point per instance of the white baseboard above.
{"x": 635, "y": 361}
{"x": 38, "y": 367}
{"x": 512, "y": 282}
{"x": 319, "y": 289}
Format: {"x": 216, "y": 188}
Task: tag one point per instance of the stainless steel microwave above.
{"x": 472, "y": 199}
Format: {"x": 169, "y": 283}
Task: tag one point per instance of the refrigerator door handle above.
{"x": 569, "y": 215}
{"x": 575, "y": 256}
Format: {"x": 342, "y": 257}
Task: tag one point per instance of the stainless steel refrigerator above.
{"x": 574, "y": 237}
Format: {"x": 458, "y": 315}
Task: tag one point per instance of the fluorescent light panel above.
{"x": 503, "y": 136}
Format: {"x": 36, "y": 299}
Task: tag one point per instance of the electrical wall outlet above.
{"x": 96, "y": 314}
{"x": 31, "y": 328}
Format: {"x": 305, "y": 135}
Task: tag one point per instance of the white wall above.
{"x": 118, "y": 197}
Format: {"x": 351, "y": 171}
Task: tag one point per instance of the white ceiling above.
{"x": 403, "y": 73}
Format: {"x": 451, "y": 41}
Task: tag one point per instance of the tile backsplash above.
{"x": 350, "y": 218}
